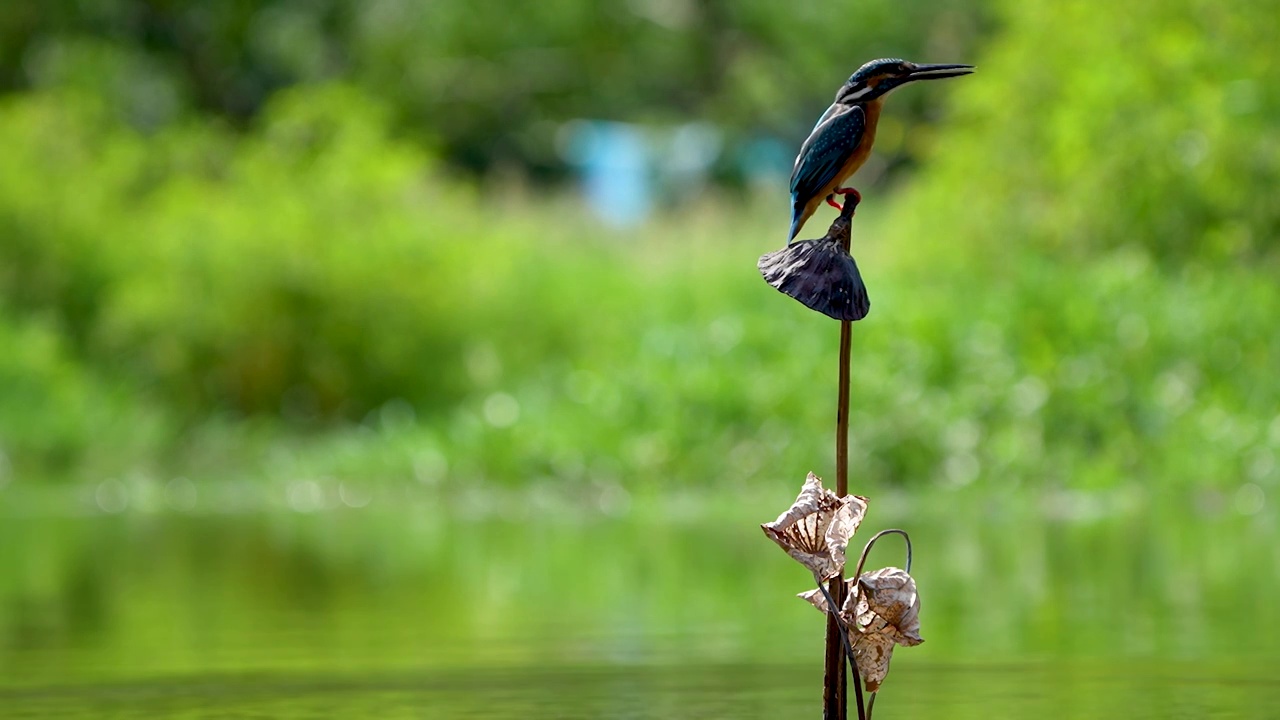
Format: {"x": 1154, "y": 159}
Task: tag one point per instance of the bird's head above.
{"x": 878, "y": 77}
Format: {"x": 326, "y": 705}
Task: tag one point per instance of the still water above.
{"x": 745, "y": 691}
{"x": 419, "y": 607}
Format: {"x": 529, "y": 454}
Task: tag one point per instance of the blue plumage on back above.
{"x": 822, "y": 155}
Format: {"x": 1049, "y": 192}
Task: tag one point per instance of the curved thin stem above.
{"x": 867, "y": 550}
{"x": 857, "y": 586}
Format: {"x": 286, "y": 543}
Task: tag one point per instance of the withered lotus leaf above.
{"x": 882, "y": 609}
{"x": 815, "y": 598}
{"x": 816, "y": 529}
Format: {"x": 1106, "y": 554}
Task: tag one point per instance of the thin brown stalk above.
{"x": 842, "y": 412}
{"x": 837, "y": 695}
{"x": 834, "y": 683}
{"x": 833, "y": 617}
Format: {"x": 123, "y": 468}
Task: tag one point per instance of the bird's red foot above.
{"x": 857, "y": 197}
{"x": 849, "y": 191}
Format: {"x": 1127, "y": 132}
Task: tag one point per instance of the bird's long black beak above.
{"x": 938, "y": 71}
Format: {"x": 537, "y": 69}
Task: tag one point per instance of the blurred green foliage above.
{"x": 1077, "y": 290}
{"x": 1162, "y": 132}
{"x": 234, "y": 271}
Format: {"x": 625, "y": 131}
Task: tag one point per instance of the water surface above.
{"x": 414, "y": 605}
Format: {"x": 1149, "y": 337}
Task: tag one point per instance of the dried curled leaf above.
{"x": 815, "y": 598}
{"x": 881, "y": 609}
{"x": 872, "y": 654}
{"x": 816, "y": 529}
{"x": 887, "y": 601}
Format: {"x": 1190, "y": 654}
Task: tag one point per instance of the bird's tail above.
{"x": 797, "y": 220}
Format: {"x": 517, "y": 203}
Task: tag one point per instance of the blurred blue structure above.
{"x": 624, "y": 166}
{"x": 688, "y": 153}
{"x": 765, "y": 160}
{"x": 613, "y": 159}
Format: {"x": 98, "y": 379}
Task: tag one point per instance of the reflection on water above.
{"x": 411, "y": 609}
{"x": 713, "y": 692}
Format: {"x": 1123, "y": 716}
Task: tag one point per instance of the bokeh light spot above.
{"x": 111, "y": 496}
{"x": 180, "y": 494}
{"x": 305, "y": 496}
{"x": 501, "y": 410}
{"x": 1250, "y": 499}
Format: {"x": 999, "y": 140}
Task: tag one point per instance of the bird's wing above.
{"x": 831, "y": 110}
{"x": 826, "y": 150}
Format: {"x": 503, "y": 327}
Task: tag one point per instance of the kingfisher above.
{"x": 841, "y": 140}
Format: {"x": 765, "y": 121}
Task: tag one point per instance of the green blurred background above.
{"x": 354, "y": 354}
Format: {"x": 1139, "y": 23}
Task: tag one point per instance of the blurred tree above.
{"x": 1162, "y": 132}
{"x": 492, "y": 82}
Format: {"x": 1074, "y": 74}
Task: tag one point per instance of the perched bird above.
{"x": 821, "y": 273}
{"x": 841, "y": 140}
